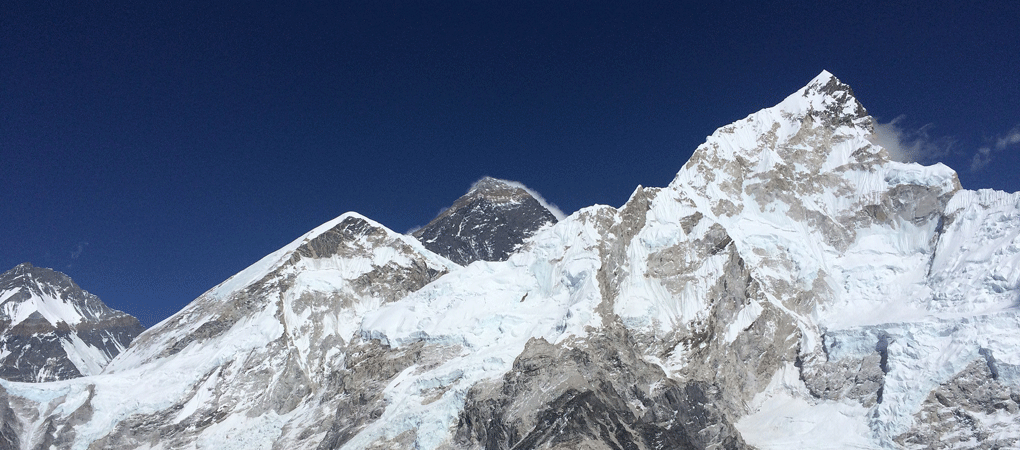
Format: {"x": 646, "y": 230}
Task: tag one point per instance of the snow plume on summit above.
{"x": 555, "y": 210}
{"x": 488, "y": 223}
{"x": 792, "y": 287}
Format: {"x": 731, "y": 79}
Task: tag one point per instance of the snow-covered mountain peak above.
{"x": 489, "y": 186}
{"x": 810, "y": 153}
{"x": 820, "y": 128}
{"x": 802, "y": 191}
{"x": 22, "y": 268}
{"x": 314, "y": 288}
{"x": 350, "y": 224}
{"x": 351, "y": 234}
{"x": 27, "y": 289}
{"x": 825, "y": 83}
{"x": 51, "y": 329}
{"x": 827, "y": 98}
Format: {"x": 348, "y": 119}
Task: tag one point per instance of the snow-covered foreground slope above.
{"x": 791, "y": 288}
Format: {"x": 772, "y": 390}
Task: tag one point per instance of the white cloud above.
{"x": 77, "y": 252}
{"x": 907, "y": 145}
{"x": 983, "y": 156}
{"x": 1013, "y": 137}
{"x": 981, "y": 159}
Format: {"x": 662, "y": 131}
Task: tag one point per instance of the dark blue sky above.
{"x": 152, "y": 149}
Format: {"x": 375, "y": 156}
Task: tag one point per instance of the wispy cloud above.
{"x": 983, "y": 156}
{"x": 981, "y": 159}
{"x": 79, "y": 250}
{"x": 911, "y": 145}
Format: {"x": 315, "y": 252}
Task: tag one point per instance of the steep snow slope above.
{"x": 791, "y": 288}
{"x": 50, "y": 329}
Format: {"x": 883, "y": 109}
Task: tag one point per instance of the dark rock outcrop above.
{"x": 487, "y": 224}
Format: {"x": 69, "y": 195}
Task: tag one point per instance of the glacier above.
{"x": 791, "y": 287}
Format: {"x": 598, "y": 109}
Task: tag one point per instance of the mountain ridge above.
{"x": 791, "y": 288}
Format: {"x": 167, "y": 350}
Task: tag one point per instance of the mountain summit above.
{"x": 792, "y": 287}
{"x": 50, "y": 329}
{"x": 488, "y": 223}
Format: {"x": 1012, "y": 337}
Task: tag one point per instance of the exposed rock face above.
{"x": 50, "y": 329}
{"x": 596, "y": 393}
{"x": 791, "y": 288}
{"x": 10, "y": 429}
{"x": 488, "y": 223}
{"x": 967, "y": 411}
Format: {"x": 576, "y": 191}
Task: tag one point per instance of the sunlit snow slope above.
{"x": 791, "y": 288}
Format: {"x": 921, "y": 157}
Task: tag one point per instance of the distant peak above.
{"x": 22, "y": 268}
{"x": 488, "y": 185}
{"x": 491, "y": 180}
{"x": 827, "y": 84}
{"x": 28, "y": 268}
{"x": 500, "y": 190}
{"x": 38, "y": 279}
{"x": 823, "y": 78}
{"x": 489, "y": 222}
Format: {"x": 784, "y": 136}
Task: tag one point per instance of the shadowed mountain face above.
{"x": 50, "y": 329}
{"x": 487, "y": 224}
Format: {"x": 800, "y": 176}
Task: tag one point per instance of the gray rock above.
{"x": 956, "y": 413}
{"x": 596, "y": 393}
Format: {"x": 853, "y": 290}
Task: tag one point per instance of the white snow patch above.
{"x": 87, "y": 359}
{"x": 745, "y": 318}
{"x": 785, "y": 416}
